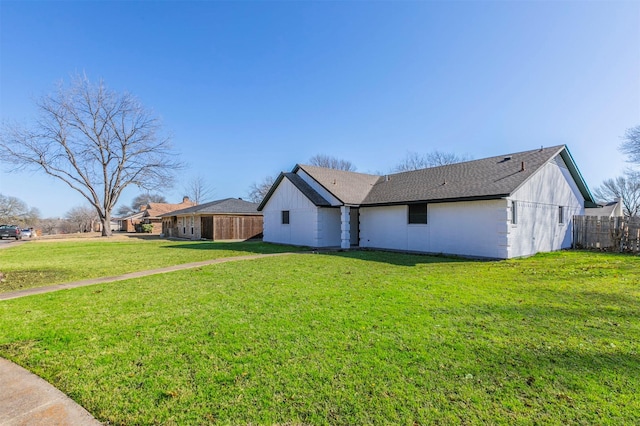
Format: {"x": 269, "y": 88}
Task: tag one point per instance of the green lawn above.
{"x": 348, "y": 338}
{"x": 42, "y": 263}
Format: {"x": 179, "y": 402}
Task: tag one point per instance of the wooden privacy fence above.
{"x": 621, "y": 234}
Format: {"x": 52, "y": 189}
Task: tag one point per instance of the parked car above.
{"x": 26, "y": 233}
{"x": 10, "y": 231}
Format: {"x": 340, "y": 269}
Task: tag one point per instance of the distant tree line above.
{"x": 14, "y": 211}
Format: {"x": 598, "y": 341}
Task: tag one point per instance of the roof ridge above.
{"x": 302, "y": 166}
{"x": 491, "y": 177}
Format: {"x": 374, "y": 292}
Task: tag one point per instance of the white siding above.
{"x": 475, "y": 228}
{"x": 308, "y": 225}
{"x": 470, "y": 228}
{"x": 328, "y": 227}
{"x": 384, "y": 227}
{"x": 537, "y": 202}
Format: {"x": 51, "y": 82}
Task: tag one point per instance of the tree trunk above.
{"x": 106, "y": 224}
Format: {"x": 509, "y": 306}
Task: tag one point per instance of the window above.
{"x": 560, "y": 214}
{"x": 418, "y": 213}
{"x": 514, "y": 213}
{"x": 285, "y": 217}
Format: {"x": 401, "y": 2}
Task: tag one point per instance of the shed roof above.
{"x": 223, "y": 206}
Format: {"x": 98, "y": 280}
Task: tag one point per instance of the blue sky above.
{"x": 249, "y": 89}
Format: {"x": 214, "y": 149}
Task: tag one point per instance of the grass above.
{"x": 42, "y": 263}
{"x": 348, "y": 338}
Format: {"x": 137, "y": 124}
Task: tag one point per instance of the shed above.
{"x": 225, "y": 219}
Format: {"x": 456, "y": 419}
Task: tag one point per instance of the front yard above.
{"x": 346, "y": 338}
{"x": 43, "y": 263}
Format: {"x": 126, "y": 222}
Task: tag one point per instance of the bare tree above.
{"x": 50, "y": 226}
{"x": 146, "y": 198}
{"x": 96, "y": 141}
{"x": 415, "y": 161}
{"x": 631, "y": 144}
{"x": 626, "y": 187}
{"x": 15, "y": 211}
{"x": 411, "y": 161}
{"x": 124, "y": 210}
{"x": 330, "y": 162}
{"x": 198, "y": 189}
{"x": 259, "y": 190}
{"x": 140, "y": 201}
{"x": 82, "y": 218}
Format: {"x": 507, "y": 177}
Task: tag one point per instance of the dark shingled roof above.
{"x": 348, "y": 187}
{"x": 224, "y": 206}
{"x": 493, "y": 177}
{"x": 307, "y": 190}
{"x": 302, "y": 186}
{"x": 488, "y": 178}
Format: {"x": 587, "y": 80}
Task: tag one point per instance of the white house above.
{"x": 500, "y": 207}
{"x": 610, "y": 209}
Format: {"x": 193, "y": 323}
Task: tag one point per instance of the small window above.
{"x": 560, "y": 214}
{"x": 514, "y": 213}
{"x": 417, "y": 214}
{"x": 285, "y": 217}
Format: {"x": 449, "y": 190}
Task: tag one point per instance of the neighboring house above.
{"x": 500, "y": 207}
{"x": 151, "y": 213}
{"x": 612, "y": 209}
{"x": 128, "y": 223}
{"x": 154, "y": 211}
{"x": 226, "y": 219}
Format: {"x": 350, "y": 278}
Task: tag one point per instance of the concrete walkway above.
{"x": 26, "y": 399}
{"x": 92, "y": 281}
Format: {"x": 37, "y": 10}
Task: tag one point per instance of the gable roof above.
{"x": 158, "y": 209}
{"x": 306, "y": 189}
{"x": 313, "y": 195}
{"x": 348, "y": 187}
{"x": 136, "y": 215}
{"x": 487, "y": 178}
{"x": 223, "y": 206}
